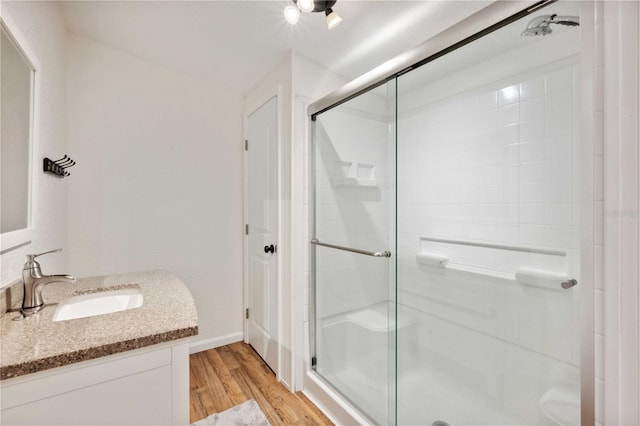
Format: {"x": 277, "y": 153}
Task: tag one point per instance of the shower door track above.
{"x": 483, "y": 22}
{"x": 385, "y": 253}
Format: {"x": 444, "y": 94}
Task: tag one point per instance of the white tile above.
{"x": 479, "y": 231}
{"x": 488, "y": 100}
{"x": 598, "y": 133}
{"x": 559, "y": 169}
{"x": 509, "y": 193}
{"x": 598, "y": 305}
{"x": 531, "y": 131}
{"x": 508, "y": 114}
{"x": 598, "y": 89}
{"x": 484, "y": 175}
{"x": 532, "y": 234}
{"x": 559, "y": 80}
{"x": 532, "y": 172}
{"x": 509, "y": 233}
{"x": 558, "y": 113}
{"x": 532, "y": 110}
{"x": 559, "y": 214}
{"x": 559, "y": 192}
{"x": 533, "y": 88}
{"x": 480, "y": 194}
{"x": 532, "y": 151}
{"x": 532, "y": 214}
{"x": 559, "y": 236}
{"x": 532, "y": 192}
{"x": 507, "y": 135}
{"x": 598, "y": 223}
{"x": 511, "y": 173}
{"x": 511, "y": 153}
{"x": 484, "y": 157}
{"x": 508, "y": 95}
{"x": 509, "y": 213}
{"x": 598, "y": 178}
{"x": 560, "y": 147}
{"x": 598, "y": 268}
{"x": 487, "y": 119}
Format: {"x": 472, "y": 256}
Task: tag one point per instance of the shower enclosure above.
{"x": 446, "y": 232}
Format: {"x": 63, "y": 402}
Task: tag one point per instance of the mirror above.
{"x": 17, "y": 134}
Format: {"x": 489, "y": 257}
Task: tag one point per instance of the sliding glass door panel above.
{"x": 487, "y": 229}
{"x": 352, "y": 243}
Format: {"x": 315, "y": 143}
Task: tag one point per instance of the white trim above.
{"x": 19, "y": 237}
{"x": 214, "y": 342}
{"x": 180, "y": 383}
{"x": 621, "y": 213}
{"x": 586, "y": 179}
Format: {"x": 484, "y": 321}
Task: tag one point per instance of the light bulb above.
{"x": 332, "y": 18}
{"x": 291, "y": 14}
{"x": 306, "y": 5}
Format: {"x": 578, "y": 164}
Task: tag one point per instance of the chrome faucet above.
{"x": 34, "y": 282}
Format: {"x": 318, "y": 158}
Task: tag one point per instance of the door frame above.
{"x": 276, "y": 93}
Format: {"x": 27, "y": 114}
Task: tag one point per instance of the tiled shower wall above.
{"x": 351, "y": 204}
{"x": 496, "y": 164}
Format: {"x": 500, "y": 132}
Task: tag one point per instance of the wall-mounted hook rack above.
{"x": 58, "y": 166}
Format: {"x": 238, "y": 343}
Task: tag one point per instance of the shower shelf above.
{"x": 350, "y": 181}
{"x": 497, "y": 260}
{"x": 353, "y": 173}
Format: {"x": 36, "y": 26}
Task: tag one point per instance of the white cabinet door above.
{"x": 145, "y": 387}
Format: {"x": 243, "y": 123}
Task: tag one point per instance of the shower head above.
{"x": 541, "y": 25}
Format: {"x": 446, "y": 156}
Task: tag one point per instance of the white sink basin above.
{"x": 105, "y": 302}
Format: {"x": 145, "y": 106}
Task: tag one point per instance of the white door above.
{"x": 262, "y": 213}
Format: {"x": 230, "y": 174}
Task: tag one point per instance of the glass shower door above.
{"x": 353, "y": 271}
{"x": 488, "y": 227}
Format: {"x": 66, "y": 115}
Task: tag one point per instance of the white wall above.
{"x": 158, "y": 182}
{"x": 41, "y": 23}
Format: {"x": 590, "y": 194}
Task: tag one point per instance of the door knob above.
{"x": 568, "y": 284}
{"x": 270, "y": 249}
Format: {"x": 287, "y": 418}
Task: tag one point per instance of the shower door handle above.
{"x": 385, "y": 253}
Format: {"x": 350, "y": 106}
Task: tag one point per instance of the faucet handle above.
{"x": 31, "y": 257}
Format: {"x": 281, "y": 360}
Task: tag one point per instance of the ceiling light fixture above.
{"x": 332, "y": 18}
{"x": 325, "y": 6}
{"x": 291, "y": 14}
{"x": 306, "y": 5}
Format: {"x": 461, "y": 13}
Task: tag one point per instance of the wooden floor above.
{"x": 230, "y": 375}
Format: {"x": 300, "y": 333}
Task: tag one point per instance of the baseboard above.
{"x": 215, "y": 342}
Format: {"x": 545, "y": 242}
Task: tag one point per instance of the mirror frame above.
{"x": 19, "y": 237}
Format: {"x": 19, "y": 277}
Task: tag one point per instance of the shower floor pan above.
{"x": 353, "y": 356}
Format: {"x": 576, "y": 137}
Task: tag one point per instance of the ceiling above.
{"x": 237, "y": 42}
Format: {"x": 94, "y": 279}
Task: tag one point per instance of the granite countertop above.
{"x": 37, "y": 343}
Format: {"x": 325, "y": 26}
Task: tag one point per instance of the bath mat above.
{"x": 245, "y": 414}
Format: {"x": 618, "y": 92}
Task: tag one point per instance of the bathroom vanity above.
{"x": 126, "y": 367}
